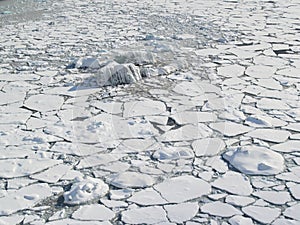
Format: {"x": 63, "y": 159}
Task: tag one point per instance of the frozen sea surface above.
{"x": 149, "y": 112}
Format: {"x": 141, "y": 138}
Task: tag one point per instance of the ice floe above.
{"x": 230, "y": 129}
{"x": 187, "y": 132}
{"x": 24, "y": 198}
{"x": 272, "y": 135}
{"x": 274, "y": 197}
{"x": 234, "y": 183}
{"x": 218, "y": 208}
{"x": 262, "y": 214}
{"x": 44, "y": 103}
{"x": 131, "y": 180}
{"x": 208, "y": 146}
{"x": 146, "y": 215}
{"x": 183, "y": 188}
{"x": 94, "y": 212}
{"x": 84, "y": 190}
{"x": 147, "y": 197}
{"x": 182, "y": 212}
{"x": 23, "y": 167}
{"x": 255, "y": 160}
{"x": 292, "y": 212}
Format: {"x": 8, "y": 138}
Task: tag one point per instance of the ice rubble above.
{"x": 84, "y": 190}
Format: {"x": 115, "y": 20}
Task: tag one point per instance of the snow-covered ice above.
{"x": 84, "y": 190}
{"x": 255, "y": 160}
{"x": 149, "y": 112}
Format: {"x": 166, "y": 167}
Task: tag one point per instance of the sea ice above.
{"x": 183, "y": 188}
{"x": 93, "y": 212}
{"x": 208, "y": 146}
{"x": 143, "y": 108}
{"x": 260, "y": 71}
{"x": 173, "y": 153}
{"x": 262, "y": 214}
{"x": 44, "y": 103}
{"x": 271, "y": 135}
{"x": 240, "y": 220}
{"x": 186, "y": 133}
{"x": 189, "y": 89}
{"x": 293, "y": 212}
{"x": 132, "y": 180}
{"x": 234, "y": 183}
{"x": 274, "y": 197}
{"x": 115, "y": 74}
{"x": 84, "y": 190}
{"x": 53, "y": 174}
{"x": 11, "y": 168}
{"x": 221, "y": 209}
{"x": 255, "y": 160}
{"x": 294, "y": 189}
{"x": 269, "y": 104}
{"x": 182, "y": 212}
{"x": 287, "y": 147}
{"x": 147, "y": 197}
{"x": 24, "y": 198}
{"x": 231, "y": 71}
{"x": 239, "y": 200}
{"x": 193, "y": 117}
{"x": 230, "y": 129}
{"x": 146, "y": 215}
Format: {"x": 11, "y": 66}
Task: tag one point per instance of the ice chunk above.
{"x": 220, "y": 209}
{"x": 173, "y": 153}
{"x": 231, "y": 71}
{"x": 268, "y": 104}
{"x": 182, "y": 212}
{"x": 24, "y": 198}
{"x": 255, "y": 160}
{"x": 274, "y": 197}
{"x": 143, "y": 108}
{"x": 52, "y": 175}
{"x": 234, "y": 183}
{"x": 115, "y": 74}
{"x": 193, "y": 117}
{"x": 147, "y": 197}
{"x": 138, "y": 58}
{"x": 186, "y": 133}
{"x": 239, "y": 200}
{"x": 44, "y": 103}
{"x": 240, "y": 220}
{"x": 208, "y": 146}
{"x": 293, "y": 212}
{"x": 84, "y": 190}
{"x": 11, "y": 168}
{"x": 287, "y": 147}
{"x": 271, "y": 135}
{"x": 183, "y": 188}
{"x": 230, "y": 129}
{"x": 262, "y": 214}
{"x": 93, "y": 212}
{"x": 260, "y": 71}
{"x": 85, "y": 63}
{"x": 146, "y": 215}
{"x": 189, "y": 88}
{"x": 131, "y": 179}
